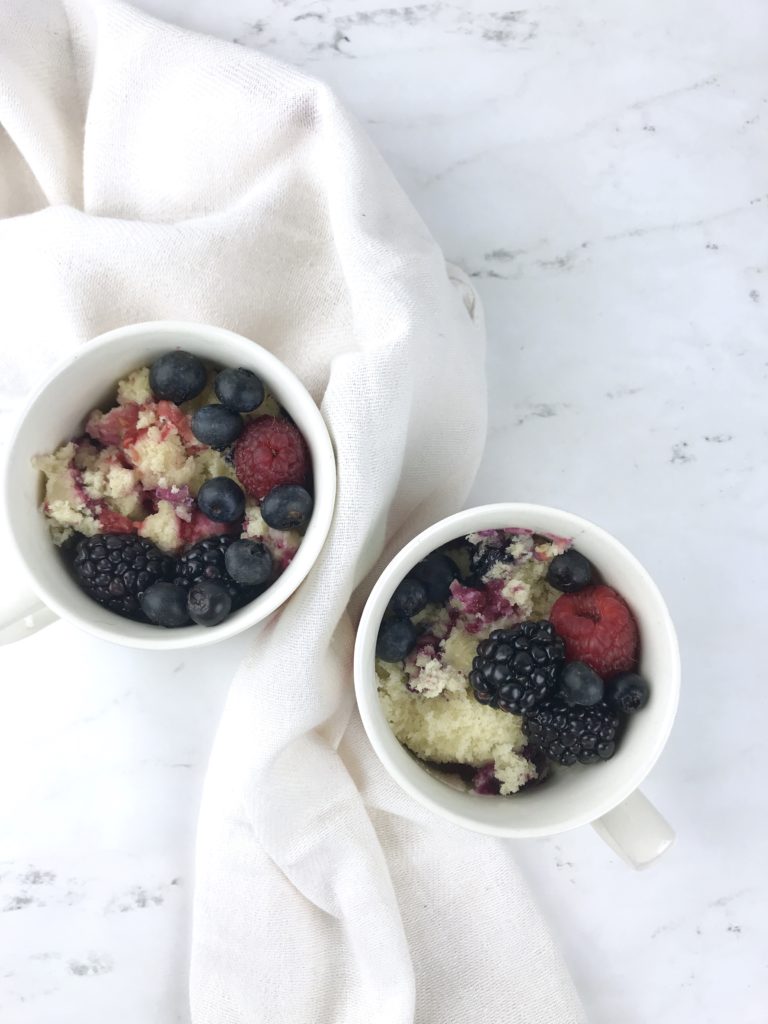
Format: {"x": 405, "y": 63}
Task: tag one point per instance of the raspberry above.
{"x": 270, "y": 452}
{"x": 598, "y": 628}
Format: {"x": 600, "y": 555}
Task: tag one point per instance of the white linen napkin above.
{"x": 146, "y": 172}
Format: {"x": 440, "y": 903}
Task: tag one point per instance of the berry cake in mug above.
{"x": 183, "y": 501}
{"x": 501, "y": 654}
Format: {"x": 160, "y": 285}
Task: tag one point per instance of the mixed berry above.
{"x": 184, "y": 501}
{"x": 519, "y": 626}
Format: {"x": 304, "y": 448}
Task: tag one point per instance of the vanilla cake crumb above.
{"x": 453, "y": 728}
{"x": 135, "y": 388}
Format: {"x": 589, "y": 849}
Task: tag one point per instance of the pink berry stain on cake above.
{"x": 138, "y": 468}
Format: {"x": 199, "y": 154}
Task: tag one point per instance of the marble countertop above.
{"x": 600, "y": 171}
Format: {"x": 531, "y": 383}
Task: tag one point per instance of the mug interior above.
{"x": 58, "y": 412}
{"x": 571, "y": 796}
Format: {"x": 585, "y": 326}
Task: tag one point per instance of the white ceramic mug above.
{"x": 605, "y": 795}
{"x": 57, "y": 411}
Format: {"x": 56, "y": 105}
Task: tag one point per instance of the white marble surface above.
{"x": 600, "y": 169}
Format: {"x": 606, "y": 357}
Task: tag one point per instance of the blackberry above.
{"x": 569, "y": 734}
{"x": 516, "y": 668}
{"x": 206, "y": 561}
{"x": 116, "y": 568}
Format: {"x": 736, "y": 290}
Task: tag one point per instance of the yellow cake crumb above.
{"x": 135, "y": 388}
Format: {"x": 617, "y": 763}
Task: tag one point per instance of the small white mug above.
{"x": 605, "y": 795}
{"x": 57, "y": 411}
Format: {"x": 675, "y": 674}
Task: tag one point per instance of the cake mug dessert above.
{"x": 432, "y": 695}
{"x": 60, "y": 410}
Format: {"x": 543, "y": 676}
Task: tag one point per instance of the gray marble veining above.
{"x": 600, "y": 172}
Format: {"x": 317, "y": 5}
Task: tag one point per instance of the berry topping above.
{"x": 569, "y": 572}
{"x": 409, "y": 598}
{"x": 116, "y": 569}
{"x": 483, "y": 559}
{"x": 208, "y": 603}
{"x": 239, "y": 389}
{"x": 112, "y": 522}
{"x": 111, "y": 428}
{"x": 484, "y": 780}
{"x": 177, "y": 376}
{"x": 217, "y": 426}
{"x": 516, "y": 668}
{"x": 165, "y": 604}
{"x": 569, "y": 734}
{"x": 199, "y": 527}
{"x": 207, "y": 561}
{"x": 221, "y": 500}
{"x": 579, "y": 684}
{"x": 397, "y": 638}
{"x": 437, "y": 572}
{"x": 598, "y": 628}
{"x": 287, "y": 507}
{"x": 248, "y": 562}
{"x": 628, "y": 692}
{"x": 270, "y": 452}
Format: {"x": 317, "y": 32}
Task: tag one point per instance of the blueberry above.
{"x": 177, "y": 376}
{"x": 579, "y": 684}
{"x": 248, "y": 562}
{"x": 287, "y": 507}
{"x": 165, "y": 604}
{"x": 409, "y": 598}
{"x": 437, "y": 572}
{"x": 221, "y": 500}
{"x": 628, "y": 692}
{"x": 208, "y": 603}
{"x": 397, "y": 638}
{"x": 239, "y": 389}
{"x": 216, "y": 426}
{"x": 569, "y": 572}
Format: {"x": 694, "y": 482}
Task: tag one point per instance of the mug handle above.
{"x": 25, "y": 616}
{"x": 636, "y": 831}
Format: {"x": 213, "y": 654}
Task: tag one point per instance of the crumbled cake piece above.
{"x": 428, "y": 700}
{"x": 453, "y": 728}
{"x": 163, "y": 527}
{"x": 135, "y": 388}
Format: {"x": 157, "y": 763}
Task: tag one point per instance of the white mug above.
{"x": 56, "y": 413}
{"x": 605, "y": 795}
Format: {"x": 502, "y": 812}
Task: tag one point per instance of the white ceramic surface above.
{"x": 581, "y": 794}
{"x": 600, "y": 169}
{"x": 57, "y": 411}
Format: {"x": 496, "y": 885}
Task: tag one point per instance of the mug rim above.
{"x": 377, "y": 727}
{"x": 324, "y": 472}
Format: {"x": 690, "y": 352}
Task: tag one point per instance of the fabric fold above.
{"x": 150, "y": 173}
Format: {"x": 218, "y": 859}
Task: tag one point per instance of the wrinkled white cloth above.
{"x": 146, "y": 172}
